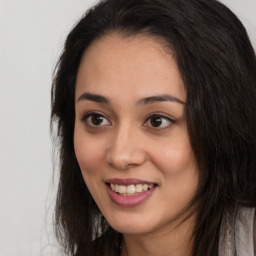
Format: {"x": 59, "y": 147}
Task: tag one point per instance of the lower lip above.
{"x": 129, "y": 201}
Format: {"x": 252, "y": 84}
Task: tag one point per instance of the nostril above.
{"x": 125, "y": 156}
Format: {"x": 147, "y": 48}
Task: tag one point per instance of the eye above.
{"x": 158, "y": 121}
{"x": 95, "y": 119}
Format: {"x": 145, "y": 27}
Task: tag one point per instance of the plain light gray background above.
{"x": 31, "y": 37}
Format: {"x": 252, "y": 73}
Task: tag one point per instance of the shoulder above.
{"x": 245, "y": 231}
{"x": 254, "y": 232}
{"x": 238, "y": 233}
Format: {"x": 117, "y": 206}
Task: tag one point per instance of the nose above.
{"x": 126, "y": 148}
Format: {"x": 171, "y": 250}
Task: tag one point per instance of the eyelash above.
{"x": 90, "y": 114}
{"x": 162, "y": 117}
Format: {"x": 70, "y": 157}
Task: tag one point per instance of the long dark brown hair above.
{"x": 218, "y": 67}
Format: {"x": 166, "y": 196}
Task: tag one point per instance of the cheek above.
{"x": 179, "y": 180}
{"x": 174, "y": 158}
{"x": 178, "y": 168}
{"x": 89, "y": 152}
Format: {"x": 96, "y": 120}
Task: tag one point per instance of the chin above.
{"x": 131, "y": 224}
{"x": 131, "y": 229}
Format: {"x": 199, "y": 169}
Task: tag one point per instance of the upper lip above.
{"x": 127, "y": 182}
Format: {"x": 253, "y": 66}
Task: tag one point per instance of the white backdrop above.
{"x": 31, "y": 37}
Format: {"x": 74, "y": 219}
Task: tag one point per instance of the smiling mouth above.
{"x": 130, "y": 190}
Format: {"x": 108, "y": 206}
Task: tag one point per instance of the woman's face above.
{"x": 130, "y": 138}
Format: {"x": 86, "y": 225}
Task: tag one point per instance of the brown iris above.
{"x": 96, "y": 119}
{"x": 156, "y": 121}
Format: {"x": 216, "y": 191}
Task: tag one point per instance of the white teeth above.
{"x": 138, "y": 188}
{"x": 145, "y": 187}
{"x": 131, "y": 189}
{"x": 121, "y": 189}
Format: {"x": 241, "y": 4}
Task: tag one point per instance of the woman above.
{"x": 155, "y": 106}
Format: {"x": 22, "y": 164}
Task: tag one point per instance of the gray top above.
{"x": 238, "y": 233}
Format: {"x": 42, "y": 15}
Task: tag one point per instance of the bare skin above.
{"x": 130, "y": 124}
{"x": 177, "y": 242}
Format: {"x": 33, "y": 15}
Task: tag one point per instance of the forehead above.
{"x": 139, "y": 65}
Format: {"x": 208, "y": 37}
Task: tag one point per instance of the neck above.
{"x": 177, "y": 241}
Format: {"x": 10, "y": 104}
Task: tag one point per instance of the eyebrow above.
{"x": 145, "y": 101}
{"x": 159, "y": 98}
{"x": 94, "y": 97}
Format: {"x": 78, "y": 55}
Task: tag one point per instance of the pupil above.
{"x": 96, "y": 119}
{"x": 156, "y": 121}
